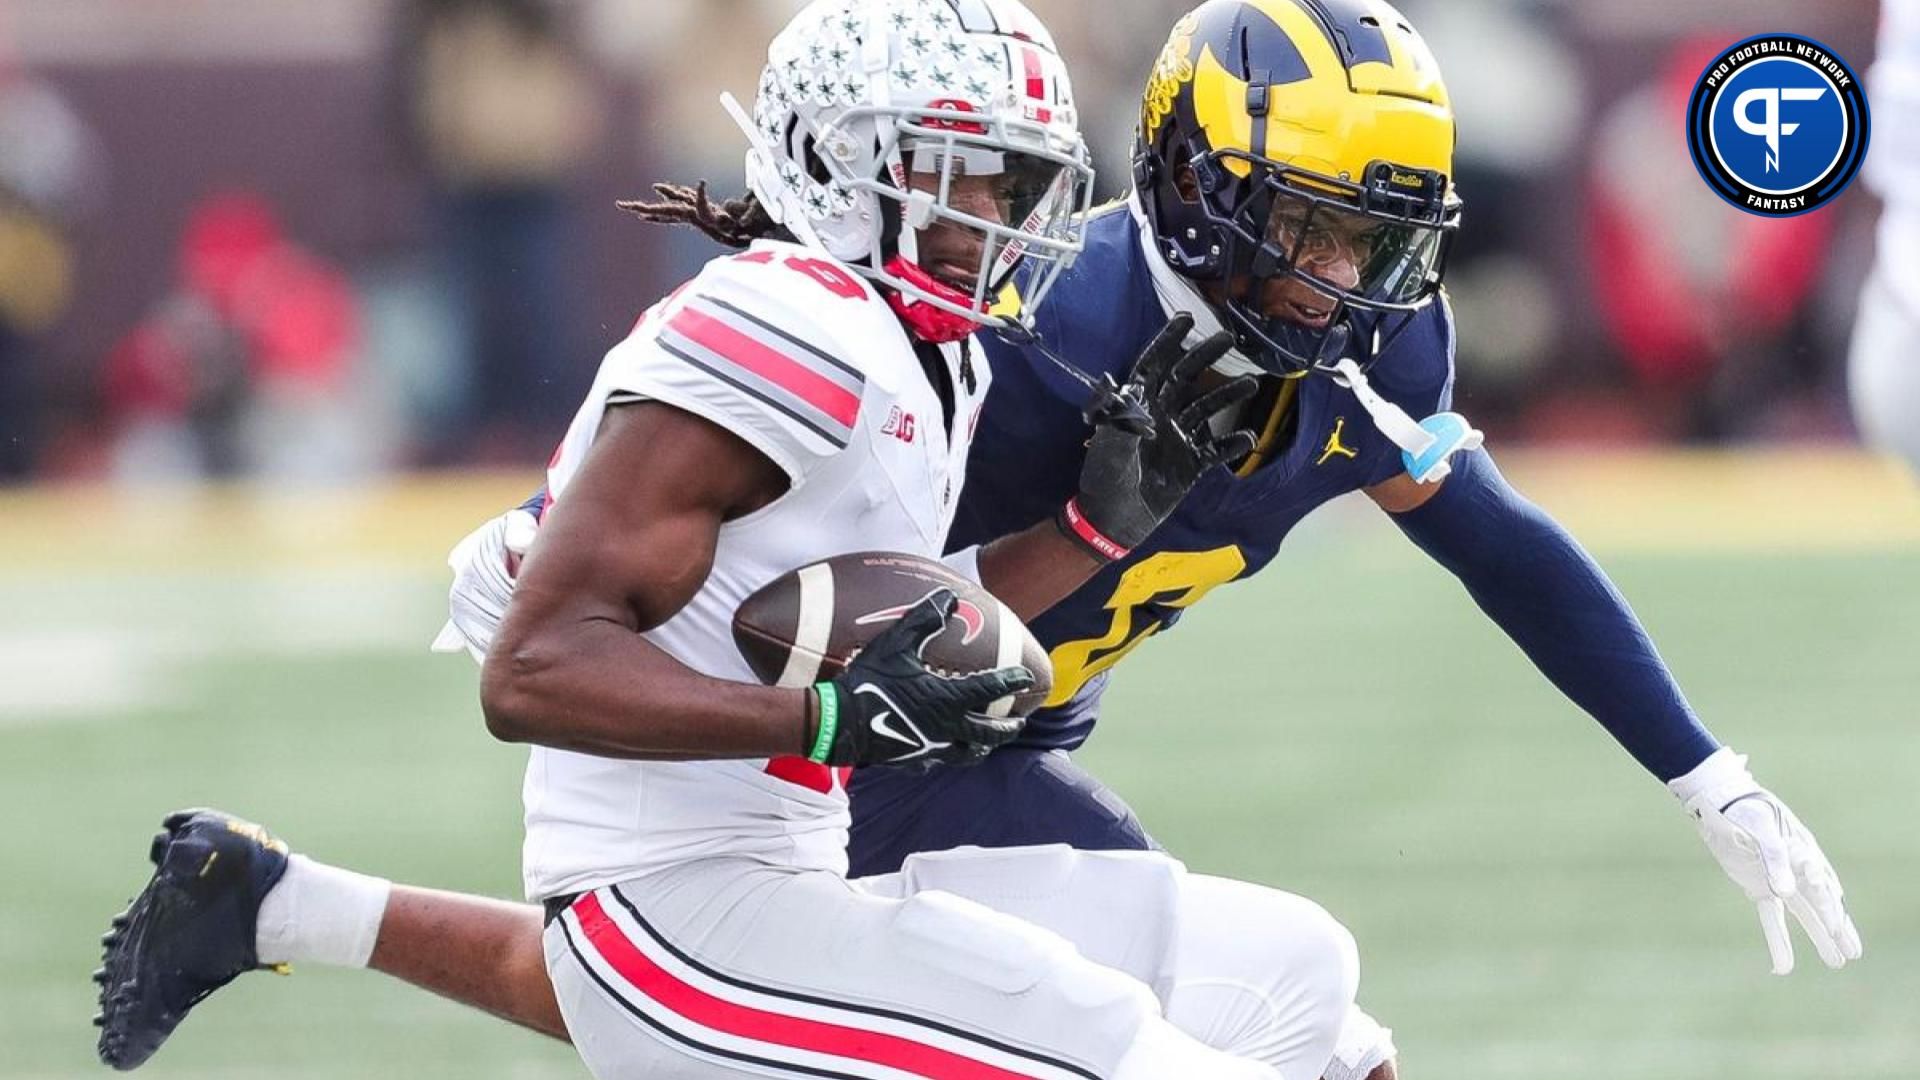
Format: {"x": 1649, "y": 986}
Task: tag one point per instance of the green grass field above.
{"x": 1528, "y": 903}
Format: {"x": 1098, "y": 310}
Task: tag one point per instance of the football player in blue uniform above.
{"x": 1293, "y": 189}
{"x": 1293, "y": 186}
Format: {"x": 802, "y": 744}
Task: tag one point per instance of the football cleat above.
{"x": 189, "y": 932}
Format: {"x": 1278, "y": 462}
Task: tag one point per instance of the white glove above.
{"x": 484, "y": 565}
{"x": 1772, "y": 857}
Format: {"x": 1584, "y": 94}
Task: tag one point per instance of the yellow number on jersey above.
{"x": 1171, "y": 579}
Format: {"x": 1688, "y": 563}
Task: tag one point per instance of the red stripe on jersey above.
{"x": 670, "y": 991}
{"x": 798, "y": 770}
{"x": 778, "y": 368}
{"x": 1036, "y": 81}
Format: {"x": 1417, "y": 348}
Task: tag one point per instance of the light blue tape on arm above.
{"x": 1451, "y": 435}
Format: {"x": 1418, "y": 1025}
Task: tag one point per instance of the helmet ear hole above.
{"x": 816, "y": 165}
{"x": 1187, "y": 184}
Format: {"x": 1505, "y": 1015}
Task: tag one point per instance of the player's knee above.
{"x": 1315, "y": 956}
{"x": 1331, "y": 959}
{"x": 1265, "y": 973}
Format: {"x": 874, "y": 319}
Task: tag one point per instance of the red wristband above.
{"x": 1075, "y": 524}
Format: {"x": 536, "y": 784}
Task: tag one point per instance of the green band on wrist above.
{"x": 829, "y": 722}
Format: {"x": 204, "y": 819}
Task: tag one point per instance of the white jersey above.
{"x": 804, "y": 360}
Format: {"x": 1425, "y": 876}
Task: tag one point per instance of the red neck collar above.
{"x": 926, "y": 321}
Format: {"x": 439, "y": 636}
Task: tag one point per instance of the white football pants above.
{"x": 996, "y": 964}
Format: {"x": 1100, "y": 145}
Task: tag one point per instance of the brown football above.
{"x": 805, "y": 625}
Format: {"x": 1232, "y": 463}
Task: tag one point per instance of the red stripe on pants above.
{"x": 668, "y": 990}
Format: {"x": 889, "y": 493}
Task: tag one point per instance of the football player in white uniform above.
{"x": 686, "y": 827}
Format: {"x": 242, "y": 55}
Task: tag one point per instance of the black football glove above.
{"x": 887, "y": 708}
{"x": 1131, "y": 480}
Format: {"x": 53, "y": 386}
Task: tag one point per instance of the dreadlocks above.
{"x": 733, "y": 222}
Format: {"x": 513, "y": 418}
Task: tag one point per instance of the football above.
{"x": 805, "y": 625}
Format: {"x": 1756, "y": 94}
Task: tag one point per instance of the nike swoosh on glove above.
{"x": 889, "y": 708}
{"x": 1774, "y": 859}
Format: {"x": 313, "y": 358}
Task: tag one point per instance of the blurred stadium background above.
{"x": 292, "y": 294}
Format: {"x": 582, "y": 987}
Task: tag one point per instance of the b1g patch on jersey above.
{"x": 1778, "y": 125}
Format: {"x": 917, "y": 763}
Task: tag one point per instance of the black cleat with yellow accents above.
{"x": 188, "y": 933}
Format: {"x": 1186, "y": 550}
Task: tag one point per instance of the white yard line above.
{"x": 101, "y": 649}
{"x": 50, "y": 677}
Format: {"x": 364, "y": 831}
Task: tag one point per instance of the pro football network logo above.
{"x": 1778, "y": 125}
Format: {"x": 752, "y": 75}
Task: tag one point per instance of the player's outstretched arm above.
{"x": 1537, "y": 583}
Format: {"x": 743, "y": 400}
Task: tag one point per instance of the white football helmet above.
{"x": 857, "y": 94}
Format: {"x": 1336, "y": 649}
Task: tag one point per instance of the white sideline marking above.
{"x": 58, "y": 676}
{"x": 117, "y": 647}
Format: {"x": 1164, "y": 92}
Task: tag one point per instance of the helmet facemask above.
{"x": 938, "y": 246}
{"x": 1366, "y": 255}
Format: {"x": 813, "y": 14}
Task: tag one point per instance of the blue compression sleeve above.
{"x": 1537, "y": 583}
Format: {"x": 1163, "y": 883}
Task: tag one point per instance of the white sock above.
{"x": 321, "y": 914}
{"x": 1160, "y": 1050}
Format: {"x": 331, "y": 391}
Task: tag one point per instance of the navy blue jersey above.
{"x": 1026, "y": 459}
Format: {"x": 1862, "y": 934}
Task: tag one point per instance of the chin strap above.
{"x": 926, "y": 321}
{"x": 1107, "y": 402}
{"x": 1426, "y": 445}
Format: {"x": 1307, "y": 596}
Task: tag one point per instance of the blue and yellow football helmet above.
{"x": 1277, "y": 136}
